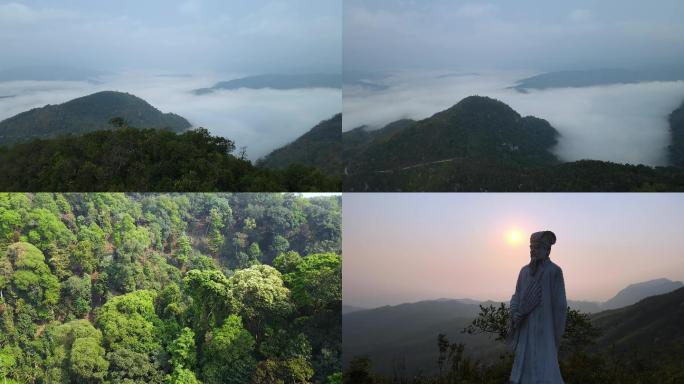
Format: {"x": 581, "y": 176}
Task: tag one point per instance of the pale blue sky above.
{"x": 405, "y": 247}
{"x": 383, "y": 35}
{"x": 253, "y": 36}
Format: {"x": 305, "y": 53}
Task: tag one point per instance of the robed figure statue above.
{"x": 538, "y": 312}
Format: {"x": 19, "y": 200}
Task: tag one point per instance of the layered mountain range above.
{"x": 406, "y": 334}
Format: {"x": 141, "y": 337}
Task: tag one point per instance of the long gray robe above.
{"x": 536, "y": 339}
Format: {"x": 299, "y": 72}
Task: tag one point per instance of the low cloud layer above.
{"x": 622, "y": 123}
{"x": 261, "y": 120}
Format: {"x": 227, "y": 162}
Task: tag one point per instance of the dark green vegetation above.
{"x": 642, "y": 343}
{"x": 321, "y": 148}
{"x": 172, "y": 288}
{"x": 282, "y": 82}
{"x": 594, "y": 77}
{"x": 676, "y": 149}
{"x": 129, "y": 159}
{"x": 481, "y": 144}
{"x": 86, "y": 114}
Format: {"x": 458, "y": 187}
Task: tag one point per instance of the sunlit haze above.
{"x": 411, "y": 247}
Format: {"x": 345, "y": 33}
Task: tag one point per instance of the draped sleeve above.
{"x": 511, "y": 339}
{"x": 560, "y": 306}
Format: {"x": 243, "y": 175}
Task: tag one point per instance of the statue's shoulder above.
{"x": 553, "y": 267}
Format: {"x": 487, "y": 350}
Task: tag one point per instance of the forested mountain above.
{"x": 321, "y": 148}
{"x": 676, "y": 148}
{"x": 86, "y": 114}
{"x": 276, "y": 81}
{"x": 129, "y": 159}
{"x": 169, "y": 288}
{"x": 481, "y": 144}
{"x": 636, "y": 292}
{"x": 649, "y": 325}
{"x": 475, "y": 128}
{"x": 594, "y": 77}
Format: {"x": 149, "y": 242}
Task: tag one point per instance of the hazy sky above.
{"x": 132, "y": 42}
{"x": 383, "y": 35}
{"x": 409, "y": 247}
{"x": 253, "y": 36}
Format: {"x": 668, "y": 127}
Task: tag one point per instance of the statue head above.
{"x": 540, "y": 244}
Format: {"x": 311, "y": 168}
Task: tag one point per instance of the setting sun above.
{"x": 514, "y": 236}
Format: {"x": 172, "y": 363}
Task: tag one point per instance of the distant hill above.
{"x": 481, "y": 144}
{"x": 587, "y": 78}
{"x": 648, "y": 325}
{"x": 49, "y": 73}
{"x": 274, "y": 81}
{"x": 585, "y": 306}
{"x": 350, "y": 308}
{"x": 636, "y": 292}
{"x": 409, "y": 331}
{"x": 320, "y": 148}
{"x": 676, "y": 149}
{"x": 86, "y": 114}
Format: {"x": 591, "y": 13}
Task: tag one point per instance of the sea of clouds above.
{"x": 261, "y": 120}
{"x": 624, "y": 123}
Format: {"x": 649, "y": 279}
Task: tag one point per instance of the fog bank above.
{"x": 624, "y": 123}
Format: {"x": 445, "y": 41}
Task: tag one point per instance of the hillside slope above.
{"x": 86, "y": 114}
{"x": 320, "y": 147}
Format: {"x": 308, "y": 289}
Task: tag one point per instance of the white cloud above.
{"x": 190, "y": 7}
{"x": 622, "y": 123}
{"x": 17, "y": 13}
{"x": 581, "y": 16}
{"x": 475, "y": 10}
{"x": 261, "y": 120}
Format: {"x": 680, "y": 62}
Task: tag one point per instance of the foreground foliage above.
{"x": 130, "y": 159}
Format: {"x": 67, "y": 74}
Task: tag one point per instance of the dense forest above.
{"x": 169, "y": 288}
{"x": 130, "y": 159}
{"x": 481, "y": 144}
{"x": 639, "y": 344}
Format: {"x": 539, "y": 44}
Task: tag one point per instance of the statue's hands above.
{"x": 530, "y": 299}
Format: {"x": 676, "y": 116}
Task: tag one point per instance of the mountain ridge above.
{"x": 320, "y": 147}
{"x": 276, "y": 81}
{"x": 86, "y": 114}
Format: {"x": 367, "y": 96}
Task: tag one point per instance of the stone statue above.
{"x": 538, "y": 312}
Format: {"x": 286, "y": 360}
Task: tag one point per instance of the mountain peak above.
{"x": 86, "y": 114}
{"x": 636, "y": 292}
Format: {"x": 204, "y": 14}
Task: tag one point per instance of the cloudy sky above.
{"x": 194, "y": 44}
{"x": 408, "y": 247}
{"x": 187, "y": 35}
{"x": 430, "y": 54}
{"x": 381, "y": 35}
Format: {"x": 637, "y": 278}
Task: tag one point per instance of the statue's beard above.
{"x": 535, "y": 263}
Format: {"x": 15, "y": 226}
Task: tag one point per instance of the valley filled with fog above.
{"x": 260, "y": 119}
{"x": 625, "y": 123}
